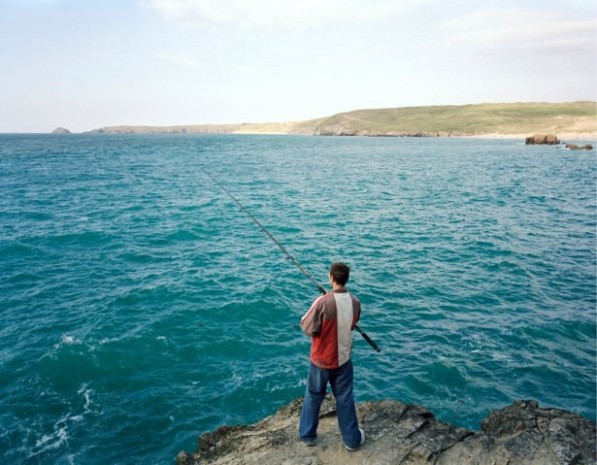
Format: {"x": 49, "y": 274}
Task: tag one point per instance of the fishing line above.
{"x": 294, "y": 261}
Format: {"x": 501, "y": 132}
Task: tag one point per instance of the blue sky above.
{"x": 83, "y": 64}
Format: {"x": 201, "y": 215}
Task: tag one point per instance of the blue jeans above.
{"x": 340, "y": 380}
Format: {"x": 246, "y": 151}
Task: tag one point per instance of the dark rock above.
{"x": 579, "y": 147}
{"x": 397, "y": 433}
{"x": 549, "y": 139}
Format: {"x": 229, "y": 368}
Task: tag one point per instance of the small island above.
{"x": 61, "y": 130}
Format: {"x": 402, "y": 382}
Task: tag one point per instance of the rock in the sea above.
{"x": 549, "y": 139}
{"x": 397, "y": 433}
{"x": 61, "y": 131}
{"x": 579, "y": 147}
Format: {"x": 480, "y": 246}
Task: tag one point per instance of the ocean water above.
{"x": 141, "y": 307}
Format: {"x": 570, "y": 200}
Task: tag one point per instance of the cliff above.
{"x": 570, "y": 120}
{"x": 520, "y": 434}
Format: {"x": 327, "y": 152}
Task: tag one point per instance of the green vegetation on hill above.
{"x": 463, "y": 120}
{"x": 502, "y": 118}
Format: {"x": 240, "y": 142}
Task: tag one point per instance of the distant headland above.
{"x": 572, "y": 120}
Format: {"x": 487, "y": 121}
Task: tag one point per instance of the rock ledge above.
{"x": 397, "y": 433}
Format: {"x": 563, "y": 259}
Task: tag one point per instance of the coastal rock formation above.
{"x": 549, "y": 139}
{"x": 579, "y": 147}
{"x": 574, "y": 120}
{"x": 397, "y": 433}
{"x": 341, "y": 131}
{"x": 61, "y": 131}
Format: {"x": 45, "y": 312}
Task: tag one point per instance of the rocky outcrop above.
{"x": 61, "y": 131}
{"x": 579, "y": 147}
{"x": 549, "y": 139}
{"x": 340, "y": 131}
{"x": 397, "y": 433}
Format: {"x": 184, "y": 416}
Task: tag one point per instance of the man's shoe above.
{"x": 352, "y": 449}
{"x": 309, "y": 442}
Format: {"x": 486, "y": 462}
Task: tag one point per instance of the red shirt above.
{"x": 330, "y": 322}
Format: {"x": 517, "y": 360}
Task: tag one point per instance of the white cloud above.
{"x": 279, "y": 14}
{"x": 522, "y": 29}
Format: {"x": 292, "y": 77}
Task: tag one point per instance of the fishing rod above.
{"x": 294, "y": 261}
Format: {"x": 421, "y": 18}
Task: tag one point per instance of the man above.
{"x": 329, "y": 322}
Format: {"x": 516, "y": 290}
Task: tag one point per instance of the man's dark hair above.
{"x": 340, "y": 272}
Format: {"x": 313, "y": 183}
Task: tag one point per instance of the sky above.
{"x": 85, "y": 64}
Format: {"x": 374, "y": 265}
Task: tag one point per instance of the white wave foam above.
{"x": 59, "y": 437}
{"x": 53, "y": 441}
{"x": 86, "y": 392}
{"x": 67, "y": 340}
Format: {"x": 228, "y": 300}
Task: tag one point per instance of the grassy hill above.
{"x": 502, "y": 118}
{"x": 564, "y": 119}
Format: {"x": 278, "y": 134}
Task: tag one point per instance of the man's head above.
{"x": 339, "y": 273}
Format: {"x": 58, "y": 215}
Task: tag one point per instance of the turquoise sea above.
{"x": 141, "y": 307}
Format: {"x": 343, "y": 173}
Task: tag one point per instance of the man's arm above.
{"x": 356, "y": 306}
{"x": 311, "y": 321}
